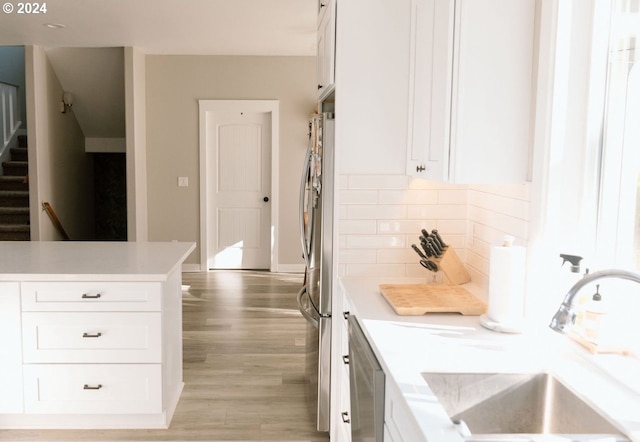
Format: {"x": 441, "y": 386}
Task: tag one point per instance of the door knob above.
{"x": 265, "y": 199}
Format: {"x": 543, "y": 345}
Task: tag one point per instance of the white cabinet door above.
{"x": 11, "y": 400}
{"x": 399, "y": 426}
{"x": 431, "y": 62}
{"x": 471, "y": 90}
{"x": 326, "y": 47}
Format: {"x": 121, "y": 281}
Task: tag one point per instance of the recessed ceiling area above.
{"x": 197, "y": 27}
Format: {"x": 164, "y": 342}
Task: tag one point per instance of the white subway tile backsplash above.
{"x": 500, "y": 222}
{"x": 438, "y": 211}
{"x": 455, "y": 241}
{"x": 453, "y": 196}
{"x": 408, "y": 227}
{"x": 451, "y": 226}
{"x": 381, "y": 216}
{"x": 513, "y": 191}
{"x": 359, "y": 197}
{"x": 418, "y": 183}
{"x": 408, "y": 196}
{"x": 375, "y": 241}
{"x": 389, "y": 256}
{"x": 358, "y": 227}
{"x": 376, "y": 270}
{"x": 500, "y": 204}
{"x": 359, "y": 256}
{"x": 342, "y": 182}
{"x": 378, "y": 182}
{"x": 357, "y": 211}
{"x": 342, "y": 211}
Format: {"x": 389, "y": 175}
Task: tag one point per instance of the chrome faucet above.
{"x": 565, "y": 316}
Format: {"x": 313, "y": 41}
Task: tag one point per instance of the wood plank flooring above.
{"x": 243, "y": 366}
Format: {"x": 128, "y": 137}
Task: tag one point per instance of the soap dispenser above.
{"x": 594, "y": 315}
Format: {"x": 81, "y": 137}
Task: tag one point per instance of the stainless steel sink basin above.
{"x": 516, "y": 403}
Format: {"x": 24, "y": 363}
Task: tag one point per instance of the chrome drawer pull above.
{"x": 89, "y": 387}
{"x": 90, "y": 335}
{"x": 345, "y": 359}
{"x": 345, "y": 417}
{"x": 87, "y": 296}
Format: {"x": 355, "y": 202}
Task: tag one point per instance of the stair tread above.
{"x": 16, "y": 193}
{"x": 14, "y": 227}
{"x": 8, "y": 210}
{"x": 12, "y": 178}
{"x": 16, "y": 163}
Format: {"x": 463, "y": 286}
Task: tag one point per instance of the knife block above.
{"x": 453, "y": 269}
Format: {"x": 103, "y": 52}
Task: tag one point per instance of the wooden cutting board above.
{"x": 419, "y": 299}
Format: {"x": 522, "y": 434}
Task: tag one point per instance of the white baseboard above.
{"x": 190, "y": 268}
{"x": 281, "y": 268}
{"x": 289, "y": 268}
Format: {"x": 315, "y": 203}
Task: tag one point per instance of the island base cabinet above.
{"x": 90, "y": 334}
{"x": 93, "y": 388}
{"x": 10, "y": 351}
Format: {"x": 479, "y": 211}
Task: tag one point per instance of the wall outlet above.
{"x": 183, "y": 181}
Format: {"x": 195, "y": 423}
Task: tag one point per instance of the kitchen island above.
{"x": 90, "y": 334}
{"x": 407, "y": 347}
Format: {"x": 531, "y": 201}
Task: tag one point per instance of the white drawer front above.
{"x": 91, "y": 337}
{"x": 91, "y": 296}
{"x": 90, "y": 389}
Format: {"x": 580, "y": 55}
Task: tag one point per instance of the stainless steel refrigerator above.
{"x": 316, "y": 230}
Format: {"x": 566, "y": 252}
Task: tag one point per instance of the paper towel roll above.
{"x": 506, "y": 284}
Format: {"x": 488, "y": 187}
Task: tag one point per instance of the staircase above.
{"x": 14, "y": 195}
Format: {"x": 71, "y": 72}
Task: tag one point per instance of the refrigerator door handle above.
{"x": 310, "y": 319}
{"x": 306, "y": 174}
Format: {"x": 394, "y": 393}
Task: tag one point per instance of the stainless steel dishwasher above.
{"x": 367, "y": 388}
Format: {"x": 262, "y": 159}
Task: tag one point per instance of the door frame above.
{"x": 265, "y": 106}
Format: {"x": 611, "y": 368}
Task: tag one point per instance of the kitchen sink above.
{"x": 516, "y": 403}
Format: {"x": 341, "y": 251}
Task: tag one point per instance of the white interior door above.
{"x": 238, "y": 144}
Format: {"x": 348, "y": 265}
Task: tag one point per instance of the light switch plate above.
{"x": 183, "y": 181}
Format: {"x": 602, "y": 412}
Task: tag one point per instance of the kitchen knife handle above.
{"x": 436, "y": 247}
{"x": 431, "y": 249}
{"x": 427, "y": 250}
{"x": 438, "y": 238}
{"x": 418, "y": 251}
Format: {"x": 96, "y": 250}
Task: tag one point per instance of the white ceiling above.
{"x": 204, "y": 27}
{"x": 193, "y": 27}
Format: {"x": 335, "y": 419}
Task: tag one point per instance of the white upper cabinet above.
{"x": 326, "y": 47}
{"x": 471, "y": 89}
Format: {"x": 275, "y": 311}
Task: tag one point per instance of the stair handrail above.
{"x": 54, "y": 219}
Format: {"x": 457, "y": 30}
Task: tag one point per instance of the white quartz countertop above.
{"x": 407, "y": 346}
{"x": 84, "y": 261}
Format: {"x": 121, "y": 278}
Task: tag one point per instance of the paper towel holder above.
{"x": 514, "y": 323}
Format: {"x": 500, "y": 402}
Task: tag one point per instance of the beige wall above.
{"x": 174, "y": 84}
{"x": 60, "y": 172}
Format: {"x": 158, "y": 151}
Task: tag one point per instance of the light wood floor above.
{"x": 243, "y": 366}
